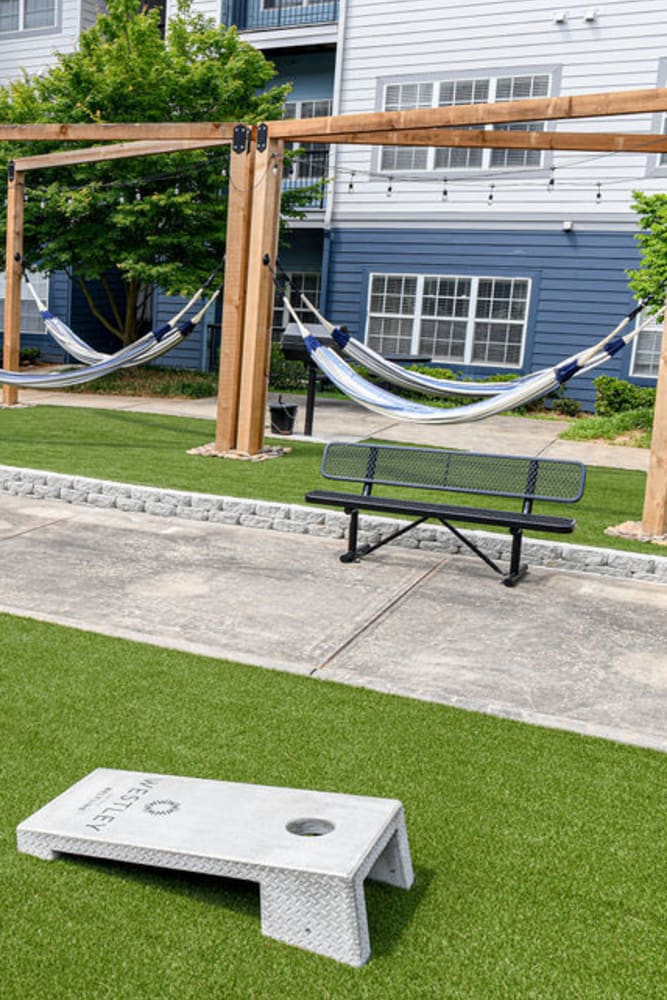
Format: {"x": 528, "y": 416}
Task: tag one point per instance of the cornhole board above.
{"x": 309, "y": 851}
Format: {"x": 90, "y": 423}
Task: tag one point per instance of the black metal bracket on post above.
{"x": 241, "y": 139}
{"x": 10, "y": 170}
{"x": 262, "y": 137}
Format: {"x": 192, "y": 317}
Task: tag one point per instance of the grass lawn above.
{"x": 540, "y": 856}
{"x": 150, "y": 449}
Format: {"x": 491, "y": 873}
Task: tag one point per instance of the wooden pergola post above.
{"x": 13, "y": 278}
{"x": 654, "y": 521}
{"x": 263, "y": 242}
{"x": 240, "y": 197}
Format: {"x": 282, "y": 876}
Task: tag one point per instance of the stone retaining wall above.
{"x": 316, "y": 521}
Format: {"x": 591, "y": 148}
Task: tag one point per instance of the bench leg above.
{"x": 517, "y": 570}
{"x": 320, "y": 913}
{"x": 351, "y": 553}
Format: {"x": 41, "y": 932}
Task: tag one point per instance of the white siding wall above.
{"x": 390, "y": 40}
{"x": 33, "y": 51}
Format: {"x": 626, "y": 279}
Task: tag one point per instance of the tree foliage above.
{"x": 145, "y": 222}
{"x": 649, "y": 280}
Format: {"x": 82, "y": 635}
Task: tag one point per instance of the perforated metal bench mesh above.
{"x": 459, "y": 471}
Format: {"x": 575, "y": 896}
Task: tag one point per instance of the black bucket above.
{"x": 283, "y": 416}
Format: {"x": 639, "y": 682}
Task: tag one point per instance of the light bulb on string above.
{"x": 551, "y": 184}
{"x": 489, "y": 200}
{"x": 445, "y": 194}
{"x": 598, "y": 196}
{"x": 350, "y": 183}
{"x": 390, "y": 186}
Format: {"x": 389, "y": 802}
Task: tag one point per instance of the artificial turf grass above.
{"x": 540, "y": 856}
{"x": 151, "y": 450}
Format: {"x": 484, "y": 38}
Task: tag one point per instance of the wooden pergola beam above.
{"x": 625, "y": 102}
{"x": 116, "y": 132}
{"x": 121, "y": 151}
{"x": 612, "y": 142}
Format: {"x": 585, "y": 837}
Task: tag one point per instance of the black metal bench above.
{"x": 521, "y": 478}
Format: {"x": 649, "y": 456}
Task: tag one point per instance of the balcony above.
{"x": 309, "y": 168}
{"x": 251, "y": 15}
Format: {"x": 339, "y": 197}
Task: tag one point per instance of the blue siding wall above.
{"x": 579, "y": 290}
{"x": 193, "y": 352}
{"x": 310, "y": 73}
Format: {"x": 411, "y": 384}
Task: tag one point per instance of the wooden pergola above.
{"x": 254, "y": 209}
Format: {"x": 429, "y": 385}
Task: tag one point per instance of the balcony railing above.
{"x": 307, "y": 169}
{"x": 250, "y": 14}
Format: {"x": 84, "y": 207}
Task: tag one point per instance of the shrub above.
{"x": 286, "y": 376}
{"x": 28, "y": 355}
{"x": 613, "y": 395}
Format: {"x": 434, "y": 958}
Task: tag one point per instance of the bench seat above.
{"x": 421, "y": 508}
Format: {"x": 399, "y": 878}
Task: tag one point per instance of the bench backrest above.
{"x": 460, "y": 471}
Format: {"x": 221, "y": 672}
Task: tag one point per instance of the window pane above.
{"x": 31, "y": 321}
{"x": 9, "y": 15}
{"x": 401, "y": 97}
{"x": 392, "y": 306}
{"x": 502, "y": 306}
{"x": 443, "y": 340}
{"x": 307, "y": 282}
{"x": 647, "y": 352}
{"x": 516, "y": 88}
{"x": 39, "y": 13}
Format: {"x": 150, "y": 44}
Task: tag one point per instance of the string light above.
{"x": 489, "y": 200}
{"x": 350, "y": 186}
{"x": 445, "y": 195}
{"x": 390, "y": 186}
{"x": 598, "y": 196}
{"x": 552, "y": 180}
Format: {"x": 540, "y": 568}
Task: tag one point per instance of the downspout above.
{"x": 333, "y": 155}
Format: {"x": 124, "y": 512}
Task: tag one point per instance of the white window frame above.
{"x": 434, "y": 82}
{"x": 470, "y": 320}
{"x": 20, "y": 27}
{"x": 300, "y": 165}
{"x": 41, "y": 285}
{"x": 653, "y": 330}
{"x": 281, "y": 316}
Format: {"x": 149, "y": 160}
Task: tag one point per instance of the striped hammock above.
{"x": 510, "y": 396}
{"x": 396, "y": 374}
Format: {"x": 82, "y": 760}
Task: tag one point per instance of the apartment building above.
{"x": 484, "y": 261}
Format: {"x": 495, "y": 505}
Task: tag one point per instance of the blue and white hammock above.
{"x": 396, "y": 374}
{"x": 512, "y": 394}
{"x": 167, "y": 336}
{"x": 147, "y": 348}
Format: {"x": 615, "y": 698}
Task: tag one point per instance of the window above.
{"x": 449, "y": 93}
{"x": 31, "y": 321}
{"x": 450, "y": 318}
{"x": 646, "y": 354}
{"x": 312, "y": 164}
{"x": 26, "y": 15}
{"x": 307, "y": 282}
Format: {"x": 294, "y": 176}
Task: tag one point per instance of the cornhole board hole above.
{"x": 309, "y": 851}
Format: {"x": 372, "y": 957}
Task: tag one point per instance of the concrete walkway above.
{"x": 336, "y": 419}
{"x": 568, "y": 650}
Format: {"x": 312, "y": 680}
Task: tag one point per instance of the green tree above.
{"x": 141, "y": 223}
{"x": 649, "y": 280}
